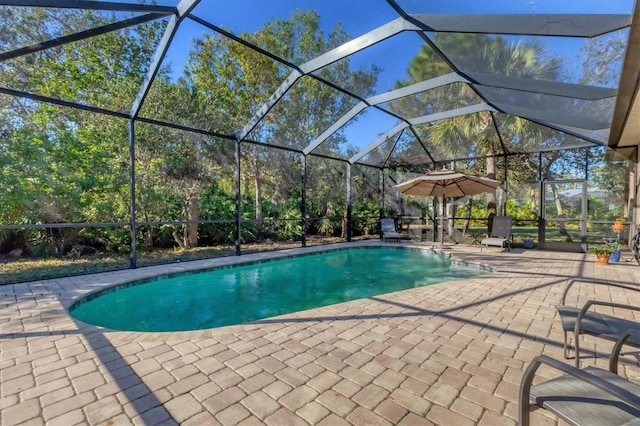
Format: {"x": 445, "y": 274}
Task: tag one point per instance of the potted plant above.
{"x": 603, "y": 252}
{"x": 618, "y": 226}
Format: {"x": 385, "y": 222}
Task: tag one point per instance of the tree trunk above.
{"x": 450, "y": 214}
{"x": 328, "y": 217}
{"x": 254, "y": 162}
{"x": 192, "y": 214}
{"x": 491, "y": 195}
{"x": 534, "y": 200}
{"x": 177, "y": 238}
{"x": 467, "y": 219}
{"x": 560, "y": 211}
{"x": 259, "y": 215}
{"x": 147, "y": 232}
{"x": 343, "y": 224}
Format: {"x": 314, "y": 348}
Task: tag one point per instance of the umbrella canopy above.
{"x": 446, "y": 183}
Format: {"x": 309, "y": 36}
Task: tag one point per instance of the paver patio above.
{"x": 451, "y": 353}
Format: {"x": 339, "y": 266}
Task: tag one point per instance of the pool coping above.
{"x": 151, "y": 273}
{"x": 195, "y": 267}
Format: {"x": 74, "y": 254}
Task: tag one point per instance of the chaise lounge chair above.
{"x": 388, "y": 228}
{"x": 592, "y": 396}
{"x": 500, "y": 233}
{"x": 584, "y": 320}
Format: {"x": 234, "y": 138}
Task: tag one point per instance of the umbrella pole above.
{"x": 444, "y": 209}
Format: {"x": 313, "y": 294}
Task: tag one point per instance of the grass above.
{"x": 20, "y": 270}
{"x": 522, "y": 233}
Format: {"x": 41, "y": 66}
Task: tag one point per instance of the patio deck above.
{"x": 451, "y": 353}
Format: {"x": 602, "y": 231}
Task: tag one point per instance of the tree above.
{"x": 68, "y": 165}
{"x": 175, "y": 167}
{"x": 236, "y": 80}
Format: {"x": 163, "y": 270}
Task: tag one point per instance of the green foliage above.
{"x": 327, "y": 226}
{"x": 520, "y": 211}
{"x": 473, "y": 135}
{"x": 366, "y": 218}
{"x": 66, "y": 165}
{"x": 117, "y": 240}
{"x": 287, "y": 225}
{"x": 235, "y": 80}
{"x": 604, "y": 249}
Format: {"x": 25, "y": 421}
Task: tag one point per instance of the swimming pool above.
{"x": 240, "y": 294}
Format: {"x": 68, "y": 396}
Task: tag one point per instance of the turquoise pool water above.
{"x": 240, "y": 294}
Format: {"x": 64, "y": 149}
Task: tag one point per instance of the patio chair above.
{"x": 584, "y": 320}
{"x": 592, "y": 396}
{"x": 388, "y": 228}
{"x": 500, "y": 234}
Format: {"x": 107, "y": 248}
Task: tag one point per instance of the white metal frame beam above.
{"x": 182, "y": 10}
{"x": 381, "y": 33}
{"x": 382, "y": 98}
{"x": 426, "y": 119}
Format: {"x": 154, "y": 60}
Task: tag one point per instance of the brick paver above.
{"x": 449, "y": 353}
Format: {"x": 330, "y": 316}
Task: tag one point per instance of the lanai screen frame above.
{"x": 582, "y": 26}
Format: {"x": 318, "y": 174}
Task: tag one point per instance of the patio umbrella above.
{"x": 446, "y": 183}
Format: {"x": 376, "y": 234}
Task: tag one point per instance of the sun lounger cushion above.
{"x": 500, "y": 233}
{"x": 388, "y": 228}
{"x": 499, "y": 242}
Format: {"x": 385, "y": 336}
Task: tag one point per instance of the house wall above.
{"x": 636, "y": 209}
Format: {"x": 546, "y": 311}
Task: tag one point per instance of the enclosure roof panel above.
{"x": 579, "y": 91}
{"x": 563, "y": 25}
{"x": 377, "y": 82}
